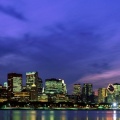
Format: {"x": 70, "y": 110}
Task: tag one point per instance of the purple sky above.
{"x": 75, "y": 40}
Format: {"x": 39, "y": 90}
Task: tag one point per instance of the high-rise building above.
{"x": 3, "y": 92}
{"x": 77, "y": 89}
{"x": 116, "y": 92}
{"x": 55, "y": 86}
{"x": 14, "y": 83}
{"x": 34, "y": 82}
{"x": 87, "y": 90}
{"x": 31, "y": 78}
{"x": 116, "y": 88}
{"x": 102, "y": 94}
{"x": 39, "y": 86}
{"x": 33, "y": 93}
{"x": 110, "y": 94}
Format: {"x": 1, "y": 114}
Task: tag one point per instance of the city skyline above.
{"x": 77, "y": 41}
{"x": 20, "y": 83}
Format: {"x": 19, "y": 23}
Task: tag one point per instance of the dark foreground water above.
{"x": 58, "y": 115}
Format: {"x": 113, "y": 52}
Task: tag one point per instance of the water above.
{"x": 58, "y": 115}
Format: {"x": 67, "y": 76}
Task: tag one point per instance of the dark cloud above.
{"x": 100, "y": 67}
{"x": 12, "y": 12}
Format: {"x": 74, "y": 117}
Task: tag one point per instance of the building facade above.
{"x": 55, "y": 86}
{"x": 31, "y": 78}
{"x": 14, "y": 83}
{"x": 102, "y": 94}
{"x": 77, "y": 89}
{"x": 87, "y": 91}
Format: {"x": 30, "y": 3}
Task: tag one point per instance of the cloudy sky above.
{"x": 75, "y": 40}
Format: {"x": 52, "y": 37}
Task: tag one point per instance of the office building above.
{"x": 102, "y": 94}
{"x": 116, "y": 92}
{"x": 55, "y": 86}
{"x": 14, "y": 83}
{"x": 116, "y": 88}
{"x": 33, "y": 93}
{"x": 39, "y": 86}
{"x": 31, "y": 78}
{"x": 77, "y": 89}
{"x": 87, "y": 91}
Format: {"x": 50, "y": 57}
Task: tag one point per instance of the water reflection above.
{"x": 16, "y": 115}
{"x": 63, "y": 115}
{"x": 51, "y": 115}
{"x": 114, "y": 115}
{"x": 58, "y": 115}
{"x": 33, "y": 115}
{"x": 109, "y": 115}
{"x": 43, "y": 115}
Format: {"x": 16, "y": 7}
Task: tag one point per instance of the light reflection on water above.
{"x": 58, "y": 115}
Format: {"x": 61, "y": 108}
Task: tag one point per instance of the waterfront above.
{"x": 59, "y": 115}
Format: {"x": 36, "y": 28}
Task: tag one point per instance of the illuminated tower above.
{"x": 33, "y": 93}
{"x": 31, "y": 78}
{"x": 102, "y": 94}
{"x": 110, "y": 93}
{"x": 14, "y": 83}
{"x": 77, "y": 89}
{"x": 116, "y": 92}
{"x": 116, "y": 88}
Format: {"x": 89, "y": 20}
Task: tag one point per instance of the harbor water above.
{"x": 59, "y": 115}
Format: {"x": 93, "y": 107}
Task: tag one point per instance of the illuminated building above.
{"x": 77, "y": 89}
{"x": 61, "y": 98}
{"x": 22, "y": 96}
{"x": 14, "y": 83}
{"x": 43, "y": 98}
{"x": 33, "y": 93}
{"x": 3, "y": 92}
{"x": 6, "y": 84}
{"x": 87, "y": 90}
{"x": 31, "y": 78}
{"x": 116, "y": 88}
{"x": 102, "y": 93}
{"x": 110, "y": 93}
{"x": 117, "y": 92}
{"x": 55, "y": 86}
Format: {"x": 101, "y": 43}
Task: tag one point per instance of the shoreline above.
{"x": 41, "y": 108}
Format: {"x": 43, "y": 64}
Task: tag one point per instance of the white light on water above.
{"x": 114, "y": 115}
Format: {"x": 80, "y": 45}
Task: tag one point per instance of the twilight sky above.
{"x": 75, "y": 40}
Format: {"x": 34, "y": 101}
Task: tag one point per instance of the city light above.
{"x": 114, "y": 104}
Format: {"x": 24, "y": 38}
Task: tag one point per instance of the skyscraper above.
{"x": 31, "y": 78}
{"x": 102, "y": 93}
{"x": 14, "y": 83}
{"x": 39, "y": 86}
{"x": 77, "y": 89}
{"x": 116, "y": 88}
{"x": 116, "y": 92}
{"x": 87, "y": 90}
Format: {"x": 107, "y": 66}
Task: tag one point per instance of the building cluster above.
{"x": 54, "y": 90}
